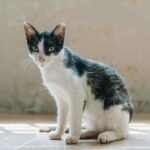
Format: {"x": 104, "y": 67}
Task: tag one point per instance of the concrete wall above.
{"x": 116, "y": 32}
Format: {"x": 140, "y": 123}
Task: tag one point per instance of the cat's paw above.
{"x": 54, "y": 136}
{"x": 104, "y": 138}
{"x": 71, "y": 139}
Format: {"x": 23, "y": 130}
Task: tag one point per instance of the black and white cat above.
{"x": 83, "y": 89}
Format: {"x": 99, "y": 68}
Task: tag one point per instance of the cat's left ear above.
{"x": 59, "y": 31}
{"x": 30, "y": 31}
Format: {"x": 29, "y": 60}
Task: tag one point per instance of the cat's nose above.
{"x": 41, "y": 59}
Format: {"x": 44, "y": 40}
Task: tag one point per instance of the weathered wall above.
{"x": 116, "y": 32}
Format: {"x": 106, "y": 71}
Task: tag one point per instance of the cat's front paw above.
{"x": 54, "y": 136}
{"x": 71, "y": 139}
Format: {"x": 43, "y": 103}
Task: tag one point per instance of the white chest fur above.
{"x": 60, "y": 81}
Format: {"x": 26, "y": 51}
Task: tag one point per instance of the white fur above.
{"x": 70, "y": 91}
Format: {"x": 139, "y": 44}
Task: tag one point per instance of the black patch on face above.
{"x": 33, "y": 42}
{"x": 49, "y": 41}
{"x": 106, "y": 85}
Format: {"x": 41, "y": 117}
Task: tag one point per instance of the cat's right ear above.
{"x": 30, "y": 31}
{"x": 59, "y": 31}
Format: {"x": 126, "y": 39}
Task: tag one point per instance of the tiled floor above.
{"x": 19, "y": 132}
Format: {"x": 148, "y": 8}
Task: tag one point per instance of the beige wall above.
{"x": 116, "y": 32}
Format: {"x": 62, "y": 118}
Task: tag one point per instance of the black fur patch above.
{"x": 74, "y": 62}
{"x": 49, "y": 41}
{"x": 33, "y": 41}
{"x": 129, "y": 108}
{"x": 106, "y": 85}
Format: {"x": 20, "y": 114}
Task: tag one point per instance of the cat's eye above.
{"x": 35, "y": 49}
{"x": 51, "y": 49}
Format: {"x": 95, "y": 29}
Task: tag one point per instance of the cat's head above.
{"x": 44, "y": 46}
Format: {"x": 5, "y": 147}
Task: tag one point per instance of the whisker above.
{"x": 26, "y": 60}
{"x": 27, "y": 66}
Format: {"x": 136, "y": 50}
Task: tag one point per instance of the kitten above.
{"x": 82, "y": 88}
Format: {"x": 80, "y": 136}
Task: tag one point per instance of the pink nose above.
{"x": 41, "y": 59}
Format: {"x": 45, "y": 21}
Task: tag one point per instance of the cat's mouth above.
{"x": 42, "y": 64}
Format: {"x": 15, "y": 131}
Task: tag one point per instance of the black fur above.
{"x": 50, "y": 40}
{"x": 106, "y": 84}
{"x": 33, "y": 41}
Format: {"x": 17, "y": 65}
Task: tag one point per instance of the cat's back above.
{"x": 92, "y": 69}
{"x": 104, "y": 81}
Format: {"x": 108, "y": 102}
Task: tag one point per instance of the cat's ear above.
{"x": 30, "y": 31}
{"x": 59, "y": 31}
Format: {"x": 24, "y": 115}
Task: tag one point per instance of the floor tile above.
{"x": 22, "y": 135}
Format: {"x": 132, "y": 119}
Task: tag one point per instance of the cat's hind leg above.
{"x": 117, "y": 128}
{"x": 110, "y": 136}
